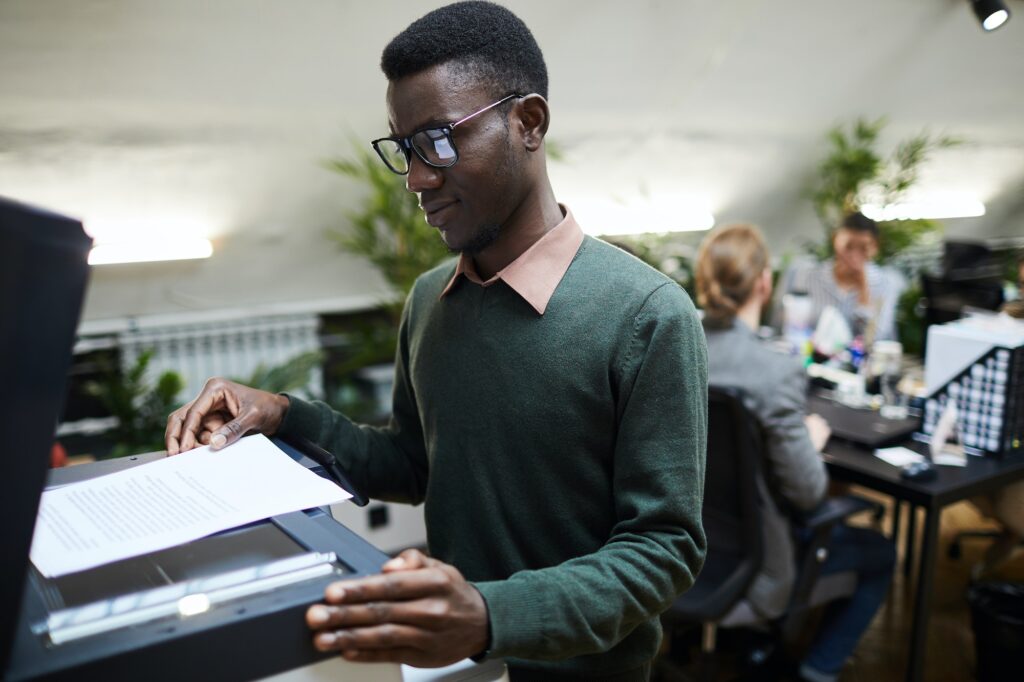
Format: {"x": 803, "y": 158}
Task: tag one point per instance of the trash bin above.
{"x": 997, "y": 617}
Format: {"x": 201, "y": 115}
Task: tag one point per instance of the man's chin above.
{"x": 452, "y": 248}
{"x": 451, "y": 240}
{"x": 470, "y": 246}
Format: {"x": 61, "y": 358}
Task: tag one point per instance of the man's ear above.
{"x": 534, "y": 116}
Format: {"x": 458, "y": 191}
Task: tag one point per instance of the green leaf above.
{"x": 387, "y": 228}
{"x": 854, "y": 169}
{"x": 910, "y": 320}
{"x": 141, "y": 408}
{"x": 291, "y": 375}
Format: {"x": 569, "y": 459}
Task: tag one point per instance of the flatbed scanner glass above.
{"x": 240, "y": 548}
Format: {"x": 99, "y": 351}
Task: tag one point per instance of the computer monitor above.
{"x": 43, "y": 274}
{"x": 971, "y": 279}
{"x": 969, "y": 260}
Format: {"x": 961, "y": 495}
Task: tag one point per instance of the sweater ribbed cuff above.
{"x": 508, "y": 609}
{"x": 483, "y": 655}
{"x": 302, "y": 418}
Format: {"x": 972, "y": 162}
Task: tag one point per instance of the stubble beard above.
{"x": 488, "y": 233}
{"x": 484, "y": 237}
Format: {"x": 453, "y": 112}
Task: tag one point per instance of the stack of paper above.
{"x": 170, "y": 502}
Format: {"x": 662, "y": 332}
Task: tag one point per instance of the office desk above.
{"x": 855, "y": 464}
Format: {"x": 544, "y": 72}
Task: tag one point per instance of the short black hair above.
{"x": 486, "y": 40}
{"x": 858, "y": 222}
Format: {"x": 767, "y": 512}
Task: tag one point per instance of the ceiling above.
{"x": 213, "y": 119}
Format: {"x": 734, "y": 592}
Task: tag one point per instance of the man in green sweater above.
{"x": 550, "y": 396}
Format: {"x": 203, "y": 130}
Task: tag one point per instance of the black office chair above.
{"x": 955, "y": 550}
{"x": 735, "y": 553}
{"x": 1001, "y": 537}
{"x": 731, "y": 515}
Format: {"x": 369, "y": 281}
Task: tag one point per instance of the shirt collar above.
{"x": 536, "y": 273}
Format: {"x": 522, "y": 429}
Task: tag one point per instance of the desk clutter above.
{"x": 978, "y": 365}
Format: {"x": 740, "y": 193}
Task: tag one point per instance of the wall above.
{"x": 212, "y": 118}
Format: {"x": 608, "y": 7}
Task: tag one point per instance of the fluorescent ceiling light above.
{"x": 931, "y": 209}
{"x": 644, "y": 215}
{"x": 150, "y": 250}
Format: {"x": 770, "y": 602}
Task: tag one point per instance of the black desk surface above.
{"x": 857, "y": 464}
{"x": 849, "y": 462}
{"x": 865, "y": 426}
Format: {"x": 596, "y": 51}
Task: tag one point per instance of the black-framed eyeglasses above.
{"x": 434, "y": 146}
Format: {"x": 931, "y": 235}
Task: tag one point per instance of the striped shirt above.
{"x": 816, "y": 279}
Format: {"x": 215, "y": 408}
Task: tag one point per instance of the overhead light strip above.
{"x": 150, "y": 250}
{"x": 938, "y": 209}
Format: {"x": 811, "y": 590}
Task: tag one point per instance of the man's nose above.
{"x": 421, "y": 176}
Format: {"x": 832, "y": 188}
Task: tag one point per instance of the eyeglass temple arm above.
{"x": 487, "y": 108}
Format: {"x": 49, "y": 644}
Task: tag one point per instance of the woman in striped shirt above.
{"x": 865, "y": 293}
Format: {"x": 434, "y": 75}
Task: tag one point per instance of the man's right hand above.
{"x": 221, "y": 414}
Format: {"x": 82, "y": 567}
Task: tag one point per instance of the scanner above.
{"x": 229, "y": 606}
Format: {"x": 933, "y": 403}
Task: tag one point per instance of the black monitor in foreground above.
{"x": 43, "y": 274}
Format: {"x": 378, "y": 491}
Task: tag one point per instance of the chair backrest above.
{"x": 732, "y": 521}
{"x": 731, "y": 499}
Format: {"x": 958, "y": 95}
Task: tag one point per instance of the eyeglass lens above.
{"x": 433, "y": 146}
{"x": 393, "y": 155}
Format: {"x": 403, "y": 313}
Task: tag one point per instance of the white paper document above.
{"x": 898, "y": 456}
{"x": 950, "y": 459}
{"x": 944, "y": 428}
{"x": 169, "y": 502}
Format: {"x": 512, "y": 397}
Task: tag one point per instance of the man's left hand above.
{"x": 419, "y": 611}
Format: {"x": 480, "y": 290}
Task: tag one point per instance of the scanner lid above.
{"x": 43, "y": 275}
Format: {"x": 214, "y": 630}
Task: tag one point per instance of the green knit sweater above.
{"x": 560, "y": 456}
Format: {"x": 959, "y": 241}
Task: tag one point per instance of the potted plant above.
{"x": 141, "y": 407}
{"x": 387, "y": 229}
{"x": 853, "y": 173}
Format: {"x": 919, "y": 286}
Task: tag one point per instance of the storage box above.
{"x": 978, "y": 363}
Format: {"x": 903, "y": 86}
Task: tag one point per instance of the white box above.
{"x": 979, "y": 363}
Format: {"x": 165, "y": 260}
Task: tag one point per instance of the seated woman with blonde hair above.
{"x": 734, "y": 283}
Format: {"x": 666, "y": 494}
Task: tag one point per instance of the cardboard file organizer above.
{"x": 979, "y": 364}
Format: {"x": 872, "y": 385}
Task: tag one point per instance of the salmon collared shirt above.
{"x": 536, "y": 273}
